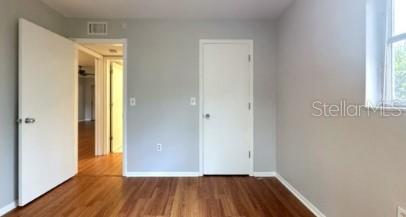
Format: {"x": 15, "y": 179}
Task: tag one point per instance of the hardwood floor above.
{"x": 89, "y": 165}
{"x": 98, "y": 190}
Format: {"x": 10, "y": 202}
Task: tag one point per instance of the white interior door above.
{"x": 47, "y": 138}
{"x": 117, "y": 107}
{"x": 226, "y": 98}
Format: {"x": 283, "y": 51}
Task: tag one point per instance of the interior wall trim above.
{"x": 300, "y": 196}
{"x": 7, "y": 208}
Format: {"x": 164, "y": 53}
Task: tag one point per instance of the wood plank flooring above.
{"x": 98, "y": 190}
{"x": 109, "y": 165}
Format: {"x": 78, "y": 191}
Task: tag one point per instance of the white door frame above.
{"x": 203, "y": 42}
{"x": 106, "y": 144}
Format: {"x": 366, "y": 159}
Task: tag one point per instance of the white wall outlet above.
{"x": 401, "y": 212}
{"x": 193, "y": 101}
{"x": 133, "y": 102}
{"x": 159, "y": 147}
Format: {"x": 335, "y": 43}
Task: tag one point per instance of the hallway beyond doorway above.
{"x": 91, "y": 165}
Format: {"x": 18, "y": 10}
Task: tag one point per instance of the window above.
{"x": 395, "y": 72}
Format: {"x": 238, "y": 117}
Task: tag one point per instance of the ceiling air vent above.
{"x": 97, "y": 28}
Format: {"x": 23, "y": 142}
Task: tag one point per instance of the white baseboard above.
{"x": 162, "y": 174}
{"x": 85, "y": 120}
{"x": 299, "y": 196}
{"x": 264, "y": 174}
{"x": 186, "y": 174}
{"x": 8, "y": 208}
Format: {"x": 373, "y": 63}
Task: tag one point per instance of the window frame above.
{"x": 391, "y": 39}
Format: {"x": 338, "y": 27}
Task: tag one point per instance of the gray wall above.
{"x": 346, "y": 166}
{"x": 10, "y": 11}
{"x": 162, "y": 75}
{"x": 163, "y": 58}
{"x": 86, "y": 111}
{"x": 352, "y": 167}
{"x": 81, "y": 99}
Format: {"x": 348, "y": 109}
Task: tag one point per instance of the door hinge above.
{"x": 249, "y": 154}
{"x": 19, "y": 121}
{"x": 111, "y": 138}
{"x": 249, "y": 106}
{"x": 249, "y": 57}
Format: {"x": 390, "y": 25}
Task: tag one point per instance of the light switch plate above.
{"x": 193, "y": 101}
{"x": 133, "y": 102}
{"x": 401, "y": 212}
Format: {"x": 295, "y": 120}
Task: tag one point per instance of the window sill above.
{"x": 386, "y": 108}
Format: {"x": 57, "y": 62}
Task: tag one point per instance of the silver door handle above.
{"x": 207, "y": 116}
{"x": 29, "y": 120}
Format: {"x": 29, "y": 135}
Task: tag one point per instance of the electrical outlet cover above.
{"x": 133, "y": 101}
{"x": 159, "y": 147}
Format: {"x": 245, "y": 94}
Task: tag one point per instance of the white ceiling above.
{"x": 106, "y": 49}
{"x": 86, "y": 60}
{"x": 195, "y": 9}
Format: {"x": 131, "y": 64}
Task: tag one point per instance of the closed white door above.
{"x": 47, "y": 138}
{"x": 226, "y": 73}
{"x": 117, "y": 107}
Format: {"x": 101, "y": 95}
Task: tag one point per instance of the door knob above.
{"x": 207, "y": 116}
{"x": 29, "y": 120}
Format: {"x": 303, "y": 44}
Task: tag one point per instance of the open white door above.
{"x": 47, "y": 138}
{"x": 117, "y": 107}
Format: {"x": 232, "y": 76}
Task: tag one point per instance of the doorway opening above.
{"x": 86, "y": 104}
{"x": 100, "y": 108}
{"x": 48, "y": 116}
